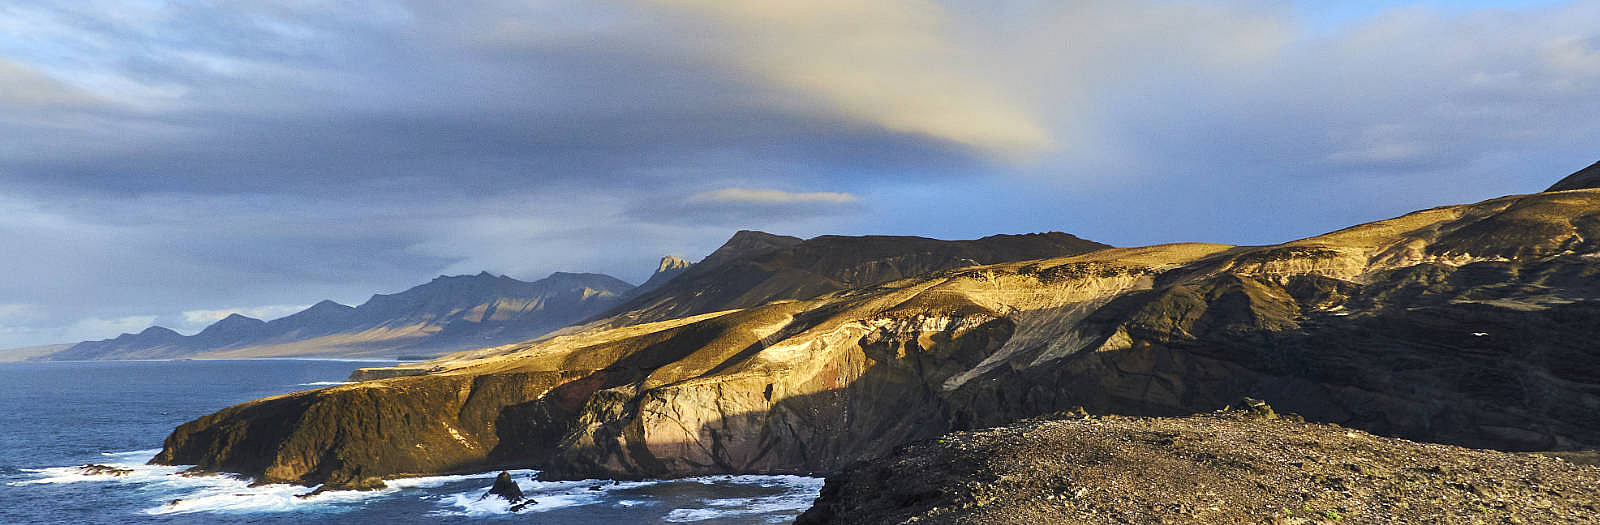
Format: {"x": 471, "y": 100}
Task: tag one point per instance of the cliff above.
{"x": 1469, "y": 325}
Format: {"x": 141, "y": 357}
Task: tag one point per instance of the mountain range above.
{"x": 1468, "y": 324}
{"x": 473, "y": 311}
{"x": 448, "y": 313}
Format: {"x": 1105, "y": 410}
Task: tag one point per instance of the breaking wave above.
{"x": 165, "y": 491}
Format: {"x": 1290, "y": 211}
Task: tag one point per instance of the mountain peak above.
{"x": 748, "y": 243}
{"x": 327, "y": 304}
{"x": 670, "y": 263}
{"x": 159, "y": 331}
{"x": 1583, "y": 179}
{"x": 237, "y": 319}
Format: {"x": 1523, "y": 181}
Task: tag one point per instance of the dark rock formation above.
{"x": 94, "y": 469}
{"x": 1222, "y": 468}
{"x": 505, "y": 488}
{"x": 1584, "y": 179}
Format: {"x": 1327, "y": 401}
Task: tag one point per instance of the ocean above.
{"x": 56, "y": 417}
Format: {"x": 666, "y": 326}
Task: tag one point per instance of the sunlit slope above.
{"x": 1470, "y": 325}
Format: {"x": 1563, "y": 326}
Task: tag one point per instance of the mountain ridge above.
{"x": 1582, "y": 179}
{"x": 447, "y": 313}
{"x": 753, "y": 268}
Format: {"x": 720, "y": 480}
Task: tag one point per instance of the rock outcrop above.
{"x": 669, "y": 268}
{"x": 508, "y": 490}
{"x": 1470, "y": 325}
{"x": 95, "y": 469}
{"x": 1219, "y": 468}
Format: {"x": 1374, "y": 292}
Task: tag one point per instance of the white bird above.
{"x": 1480, "y": 334}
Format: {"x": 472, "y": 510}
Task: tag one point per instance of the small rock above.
{"x": 94, "y": 469}
{"x": 505, "y": 488}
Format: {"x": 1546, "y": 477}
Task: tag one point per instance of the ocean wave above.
{"x": 801, "y": 492}
{"x": 327, "y": 383}
{"x": 236, "y": 496}
{"x": 170, "y": 493}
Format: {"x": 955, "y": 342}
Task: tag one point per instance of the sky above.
{"x": 171, "y": 162}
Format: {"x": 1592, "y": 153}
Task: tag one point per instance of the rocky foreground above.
{"x": 1232, "y": 467}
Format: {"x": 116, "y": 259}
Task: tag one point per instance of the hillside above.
{"x": 446, "y": 314}
{"x": 1586, "y": 178}
{"x": 1233, "y": 467}
{"x": 1469, "y": 325}
{"x": 755, "y": 268}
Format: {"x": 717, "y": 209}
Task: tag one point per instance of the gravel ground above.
{"x": 1241, "y": 466}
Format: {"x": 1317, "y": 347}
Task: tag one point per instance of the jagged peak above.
{"x": 672, "y": 263}
{"x": 1582, "y": 179}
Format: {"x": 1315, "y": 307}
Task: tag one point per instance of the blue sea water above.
{"x": 56, "y": 417}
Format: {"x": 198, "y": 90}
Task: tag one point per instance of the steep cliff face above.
{"x": 1470, "y": 325}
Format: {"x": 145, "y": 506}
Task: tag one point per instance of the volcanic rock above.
{"x": 505, "y": 488}
{"x": 93, "y": 469}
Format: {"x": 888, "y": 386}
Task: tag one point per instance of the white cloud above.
{"x": 758, "y": 196}
{"x": 196, "y": 319}
{"x": 17, "y": 310}
{"x": 93, "y": 328}
{"x": 894, "y": 63}
{"x": 27, "y": 88}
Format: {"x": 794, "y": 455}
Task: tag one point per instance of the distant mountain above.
{"x": 446, "y": 314}
{"x": 755, "y": 268}
{"x": 1584, "y": 179}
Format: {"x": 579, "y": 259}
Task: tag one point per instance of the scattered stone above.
{"x": 1233, "y": 466}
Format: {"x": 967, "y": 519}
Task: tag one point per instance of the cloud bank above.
{"x": 165, "y": 158}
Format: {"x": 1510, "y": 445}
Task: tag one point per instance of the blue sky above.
{"x": 170, "y": 162}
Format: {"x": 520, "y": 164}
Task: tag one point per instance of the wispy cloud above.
{"x": 749, "y": 196}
